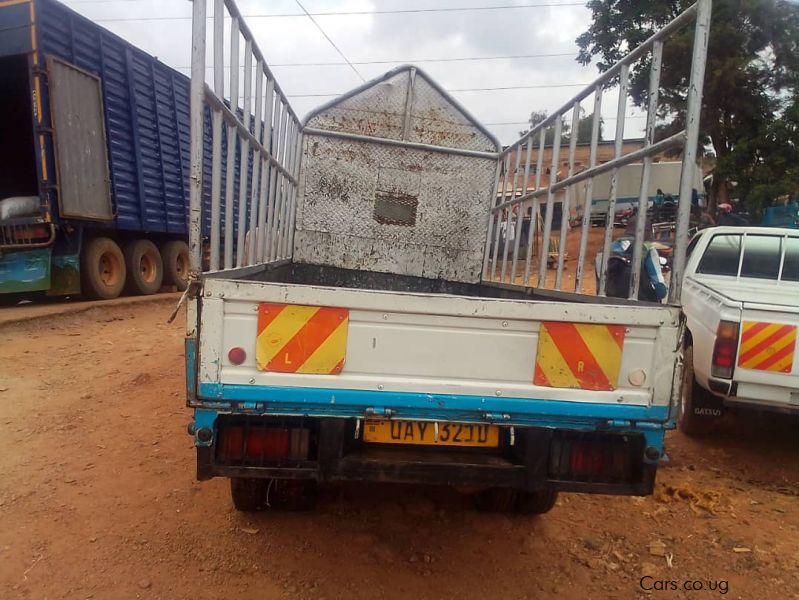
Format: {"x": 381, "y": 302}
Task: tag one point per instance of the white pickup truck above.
{"x": 741, "y": 301}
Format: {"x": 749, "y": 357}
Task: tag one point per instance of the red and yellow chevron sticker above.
{"x": 767, "y": 346}
{"x": 578, "y": 355}
{"x": 301, "y": 339}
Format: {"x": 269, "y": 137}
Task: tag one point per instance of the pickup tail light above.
{"x": 724, "y": 350}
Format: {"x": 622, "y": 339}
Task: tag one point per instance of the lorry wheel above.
{"x": 536, "y": 503}
{"x": 692, "y": 396}
{"x": 145, "y": 267}
{"x": 249, "y": 495}
{"x": 102, "y": 269}
{"x": 175, "y": 256}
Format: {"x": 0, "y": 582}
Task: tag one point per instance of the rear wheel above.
{"x": 507, "y": 500}
{"x": 693, "y": 397}
{"x": 251, "y": 495}
{"x": 102, "y": 269}
{"x": 536, "y": 503}
{"x": 145, "y": 267}
{"x": 248, "y": 495}
{"x": 175, "y": 256}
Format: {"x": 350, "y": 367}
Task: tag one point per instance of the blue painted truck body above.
{"x": 146, "y": 124}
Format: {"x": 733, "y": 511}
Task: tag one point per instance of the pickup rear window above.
{"x": 762, "y": 255}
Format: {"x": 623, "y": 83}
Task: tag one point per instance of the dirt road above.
{"x": 98, "y": 500}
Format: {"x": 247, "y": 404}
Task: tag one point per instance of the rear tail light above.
{"x": 255, "y": 442}
{"x": 724, "y": 350}
{"x": 595, "y": 457}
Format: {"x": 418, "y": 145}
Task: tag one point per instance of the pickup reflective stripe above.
{"x": 294, "y": 338}
{"x": 580, "y": 356}
{"x": 767, "y": 346}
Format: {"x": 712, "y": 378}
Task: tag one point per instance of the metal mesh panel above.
{"x": 343, "y": 184}
{"x": 436, "y": 121}
{"x": 377, "y": 111}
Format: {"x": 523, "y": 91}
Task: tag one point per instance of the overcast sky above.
{"x": 163, "y": 28}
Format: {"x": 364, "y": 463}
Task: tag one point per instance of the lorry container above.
{"x": 374, "y": 327}
{"x": 94, "y": 159}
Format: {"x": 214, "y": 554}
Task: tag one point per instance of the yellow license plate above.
{"x": 427, "y": 433}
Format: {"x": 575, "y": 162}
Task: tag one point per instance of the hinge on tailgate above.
{"x": 191, "y": 291}
{"x": 378, "y": 411}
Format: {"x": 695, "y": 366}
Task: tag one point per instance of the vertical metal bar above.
{"x": 539, "y": 166}
{"x": 295, "y": 190}
{"x": 197, "y": 107}
{"x": 406, "y": 124}
{"x": 567, "y": 192}
{"x": 589, "y": 191}
{"x": 517, "y": 150}
{"x": 244, "y": 166}
{"x": 216, "y": 134}
{"x": 522, "y": 208}
{"x": 643, "y": 196}
{"x": 232, "y": 143}
{"x": 281, "y": 183}
{"x": 614, "y": 178}
{"x": 553, "y": 177}
{"x": 500, "y": 200}
{"x": 287, "y": 185}
{"x": 695, "y": 84}
{"x": 266, "y": 169}
{"x": 272, "y": 214}
{"x": 256, "y": 164}
{"x": 491, "y": 219}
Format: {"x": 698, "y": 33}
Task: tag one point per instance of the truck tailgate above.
{"x": 433, "y": 356}
{"x": 767, "y": 350}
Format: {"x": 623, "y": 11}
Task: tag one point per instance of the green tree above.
{"x": 750, "y": 84}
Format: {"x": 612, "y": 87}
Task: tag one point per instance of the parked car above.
{"x": 739, "y": 297}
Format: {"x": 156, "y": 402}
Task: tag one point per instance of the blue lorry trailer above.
{"x": 94, "y": 159}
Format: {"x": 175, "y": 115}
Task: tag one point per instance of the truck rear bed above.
{"x": 440, "y": 352}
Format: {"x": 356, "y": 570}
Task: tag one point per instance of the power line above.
{"x": 332, "y": 43}
{"x": 347, "y": 13}
{"x": 407, "y": 60}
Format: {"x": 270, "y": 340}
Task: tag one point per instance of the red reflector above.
{"x": 724, "y": 350}
{"x": 236, "y": 356}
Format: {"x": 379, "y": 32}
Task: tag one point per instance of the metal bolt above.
{"x": 252, "y": 379}
{"x": 498, "y": 392}
{"x": 627, "y": 330}
{"x": 385, "y": 317}
{"x": 380, "y": 386}
{"x": 504, "y": 323}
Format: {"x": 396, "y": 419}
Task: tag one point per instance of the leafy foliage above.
{"x": 749, "y": 108}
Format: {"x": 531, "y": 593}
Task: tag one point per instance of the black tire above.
{"x": 291, "y": 494}
{"x": 536, "y": 503}
{"x": 175, "y": 256}
{"x": 692, "y": 395}
{"x": 102, "y": 269}
{"x": 500, "y": 500}
{"x": 145, "y": 267}
{"x": 248, "y": 495}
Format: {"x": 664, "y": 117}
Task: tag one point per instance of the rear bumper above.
{"x": 529, "y": 459}
{"x": 772, "y": 398}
